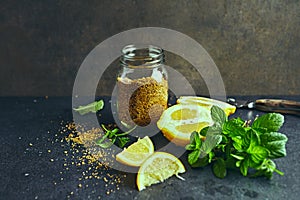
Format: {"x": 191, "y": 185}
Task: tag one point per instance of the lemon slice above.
{"x": 179, "y": 121}
{"x": 157, "y": 168}
{"x": 136, "y": 153}
{"x": 207, "y": 102}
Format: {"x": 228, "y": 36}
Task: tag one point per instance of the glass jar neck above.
{"x": 142, "y": 56}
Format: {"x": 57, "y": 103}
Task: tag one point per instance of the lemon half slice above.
{"x": 136, "y": 153}
{"x": 157, "y": 168}
{"x": 179, "y": 121}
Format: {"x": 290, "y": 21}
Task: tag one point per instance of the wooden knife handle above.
{"x": 278, "y": 105}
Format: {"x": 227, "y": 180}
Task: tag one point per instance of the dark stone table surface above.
{"x": 34, "y": 164}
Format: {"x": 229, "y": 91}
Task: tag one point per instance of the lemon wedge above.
{"x": 157, "y": 168}
{"x": 136, "y": 153}
{"x": 179, "y": 121}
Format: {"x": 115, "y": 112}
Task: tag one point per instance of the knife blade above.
{"x": 269, "y": 105}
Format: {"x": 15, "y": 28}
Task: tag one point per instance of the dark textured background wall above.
{"x": 255, "y": 44}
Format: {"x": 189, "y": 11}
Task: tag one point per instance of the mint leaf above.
{"x": 122, "y": 141}
{"x": 203, "y": 131}
{"x": 192, "y": 138}
{"x": 248, "y": 138}
{"x": 105, "y": 144}
{"x": 275, "y": 143}
{"x": 190, "y": 147}
{"x": 218, "y": 115}
{"x": 212, "y": 139}
{"x": 209, "y": 143}
{"x": 195, "y": 142}
{"x": 238, "y": 143}
{"x": 92, "y": 107}
{"x": 251, "y": 140}
{"x": 196, "y": 139}
{"x": 258, "y": 154}
{"x": 271, "y": 121}
{"x": 234, "y": 127}
{"x": 201, "y": 162}
{"x": 244, "y": 167}
{"x": 193, "y": 156}
{"x": 212, "y": 130}
{"x": 219, "y": 168}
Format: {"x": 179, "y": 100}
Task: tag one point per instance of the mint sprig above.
{"x": 236, "y": 143}
{"x": 112, "y": 136}
{"x": 91, "y": 107}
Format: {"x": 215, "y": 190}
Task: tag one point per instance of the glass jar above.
{"x": 142, "y": 85}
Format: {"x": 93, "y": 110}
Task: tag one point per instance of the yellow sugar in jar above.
{"x": 142, "y": 85}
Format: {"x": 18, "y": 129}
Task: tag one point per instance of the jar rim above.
{"x": 149, "y": 54}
